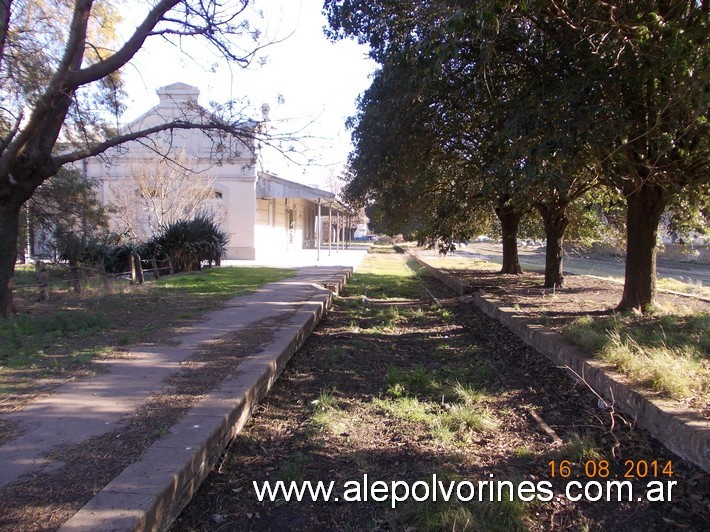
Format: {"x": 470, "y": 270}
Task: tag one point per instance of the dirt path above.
{"x": 396, "y": 388}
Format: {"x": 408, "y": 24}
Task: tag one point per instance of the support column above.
{"x": 337, "y": 232}
{"x": 319, "y": 230}
{"x": 330, "y": 229}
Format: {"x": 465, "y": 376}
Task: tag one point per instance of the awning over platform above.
{"x": 271, "y": 187}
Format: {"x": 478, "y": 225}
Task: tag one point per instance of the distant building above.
{"x": 263, "y": 214}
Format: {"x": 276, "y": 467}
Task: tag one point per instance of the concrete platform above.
{"x": 151, "y": 492}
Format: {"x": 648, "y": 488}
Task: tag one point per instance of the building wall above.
{"x": 267, "y": 228}
{"x": 230, "y": 164}
{"x": 281, "y": 226}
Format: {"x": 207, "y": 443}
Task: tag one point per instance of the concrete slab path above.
{"x": 150, "y": 492}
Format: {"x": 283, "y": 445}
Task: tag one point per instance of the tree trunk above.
{"x": 555, "y": 225}
{"x": 645, "y": 206}
{"x": 510, "y": 220}
{"x": 9, "y": 229}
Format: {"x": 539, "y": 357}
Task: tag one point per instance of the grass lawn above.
{"x": 65, "y": 333}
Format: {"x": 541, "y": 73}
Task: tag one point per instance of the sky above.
{"x": 310, "y": 84}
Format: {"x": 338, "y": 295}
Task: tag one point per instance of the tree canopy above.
{"x": 541, "y": 102}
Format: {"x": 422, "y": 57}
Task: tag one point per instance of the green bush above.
{"x": 188, "y": 243}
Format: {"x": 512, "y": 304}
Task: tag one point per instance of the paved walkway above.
{"x": 153, "y": 490}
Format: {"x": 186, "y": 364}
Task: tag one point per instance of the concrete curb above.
{"x": 684, "y": 432}
{"x": 149, "y": 494}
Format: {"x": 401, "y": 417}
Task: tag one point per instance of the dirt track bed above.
{"x": 580, "y": 296}
{"x": 330, "y": 417}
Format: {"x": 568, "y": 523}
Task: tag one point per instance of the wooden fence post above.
{"x": 156, "y": 273}
{"x": 75, "y": 276}
{"x": 42, "y": 280}
{"x": 136, "y": 269}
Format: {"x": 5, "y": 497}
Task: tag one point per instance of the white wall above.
{"x": 231, "y": 165}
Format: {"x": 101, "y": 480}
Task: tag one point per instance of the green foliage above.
{"x": 511, "y": 105}
{"x": 190, "y": 242}
{"x": 66, "y": 216}
{"x": 117, "y": 257}
{"x": 99, "y": 321}
{"x": 27, "y": 340}
{"x": 580, "y": 448}
{"x": 384, "y": 276}
{"x": 415, "y": 382}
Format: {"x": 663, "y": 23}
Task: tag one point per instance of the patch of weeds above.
{"x": 446, "y": 421}
{"x": 669, "y": 353}
{"x": 293, "y": 468}
{"x": 418, "y": 381}
{"x": 461, "y": 418}
{"x": 524, "y": 452}
{"x": 587, "y": 333}
{"x": 396, "y": 390}
{"x": 328, "y": 420}
{"x": 466, "y": 413}
{"x": 332, "y": 354}
{"x": 686, "y": 288}
{"x": 417, "y": 313}
{"x": 445, "y": 314}
{"x": 407, "y": 408}
{"x": 441, "y": 431}
{"x": 673, "y": 371}
{"x": 326, "y": 414}
{"x": 384, "y": 319}
{"x": 385, "y": 276}
{"x": 505, "y": 514}
{"x": 325, "y": 401}
{"x": 467, "y": 395}
{"x": 581, "y": 447}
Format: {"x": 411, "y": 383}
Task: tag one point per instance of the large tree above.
{"x": 620, "y": 90}
{"x": 472, "y": 107}
{"x": 650, "y": 59}
{"x": 58, "y": 80}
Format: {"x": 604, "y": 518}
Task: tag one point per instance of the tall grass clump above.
{"x": 668, "y": 353}
{"x": 680, "y": 373}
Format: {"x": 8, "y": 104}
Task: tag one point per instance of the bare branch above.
{"x": 114, "y": 62}
{"x": 245, "y": 131}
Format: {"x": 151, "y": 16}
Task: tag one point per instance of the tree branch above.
{"x": 114, "y": 62}
{"x": 5, "y": 13}
{"x": 246, "y": 131}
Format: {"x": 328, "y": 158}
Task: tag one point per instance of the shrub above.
{"x": 188, "y": 243}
